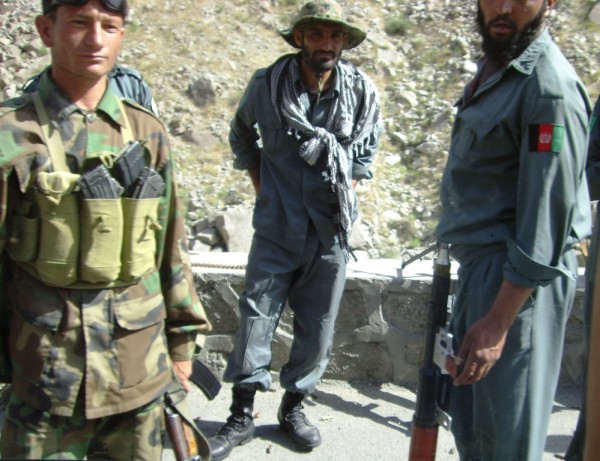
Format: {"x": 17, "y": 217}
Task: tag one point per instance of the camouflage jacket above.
{"x": 116, "y": 343}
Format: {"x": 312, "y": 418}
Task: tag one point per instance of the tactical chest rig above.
{"x": 66, "y": 240}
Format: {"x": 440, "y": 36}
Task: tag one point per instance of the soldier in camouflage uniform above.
{"x": 98, "y": 301}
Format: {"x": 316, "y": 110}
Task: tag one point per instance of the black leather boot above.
{"x": 239, "y": 428}
{"x": 291, "y": 420}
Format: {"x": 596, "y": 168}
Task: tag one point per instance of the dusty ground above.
{"x": 358, "y": 421}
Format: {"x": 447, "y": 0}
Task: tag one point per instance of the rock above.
{"x": 595, "y": 14}
{"x": 235, "y": 226}
{"x": 199, "y": 56}
{"x": 202, "y": 91}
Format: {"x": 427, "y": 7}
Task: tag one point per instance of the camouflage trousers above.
{"x": 33, "y": 434}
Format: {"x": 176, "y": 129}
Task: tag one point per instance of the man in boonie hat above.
{"x": 318, "y": 121}
{"x": 330, "y": 12}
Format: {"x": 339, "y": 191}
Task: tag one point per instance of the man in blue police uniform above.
{"x": 514, "y": 202}
{"x": 319, "y": 122}
{"x": 576, "y": 447}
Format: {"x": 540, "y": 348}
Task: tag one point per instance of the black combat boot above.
{"x": 294, "y": 422}
{"x": 239, "y": 428}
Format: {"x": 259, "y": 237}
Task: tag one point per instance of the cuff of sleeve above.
{"x": 524, "y": 271}
{"x": 247, "y": 163}
{"x": 360, "y": 172}
{"x": 182, "y": 346}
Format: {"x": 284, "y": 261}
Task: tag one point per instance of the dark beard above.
{"x": 317, "y": 65}
{"x": 504, "y": 51}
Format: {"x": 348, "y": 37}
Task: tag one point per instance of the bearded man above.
{"x": 514, "y": 203}
{"x": 319, "y": 123}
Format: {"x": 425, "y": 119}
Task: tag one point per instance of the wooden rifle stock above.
{"x": 187, "y": 441}
{"x": 434, "y": 385}
{"x": 181, "y": 435}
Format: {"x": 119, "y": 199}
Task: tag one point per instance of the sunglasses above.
{"x": 118, "y": 6}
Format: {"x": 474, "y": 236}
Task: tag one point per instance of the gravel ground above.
{"x": 359, "y": 421}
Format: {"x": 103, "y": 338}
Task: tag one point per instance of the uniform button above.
{"x": 90, "y": 117}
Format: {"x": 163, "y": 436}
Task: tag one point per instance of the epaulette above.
{"x": 260, "y": 72}
{"x": 10, "y": 105}
{"x": 132, "y": 103}
{"x": 124, "y": 71}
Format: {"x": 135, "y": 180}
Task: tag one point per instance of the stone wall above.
{"x": 380, "y": 328}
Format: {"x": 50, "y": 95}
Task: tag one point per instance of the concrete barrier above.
{"x": 380, "y": 328}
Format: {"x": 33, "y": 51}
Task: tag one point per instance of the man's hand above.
{"x": 483, "y": 344}
{"x": 183, "y": 370}
{"x": 480, "y": 350}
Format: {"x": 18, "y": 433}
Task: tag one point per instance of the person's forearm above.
{"x": 254, "y": 174}
{"x": 508, "y": 303}
{"x": 484, "y": 341}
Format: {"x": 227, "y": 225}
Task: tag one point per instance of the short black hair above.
{"x": 111, "y": 5}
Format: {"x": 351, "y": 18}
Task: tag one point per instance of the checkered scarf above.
{"x": 354, "y": 115}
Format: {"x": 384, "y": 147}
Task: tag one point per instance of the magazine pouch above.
{"x": 22, "y": 245}
{"x": 101, "y": 240}
{"x": 59, "y": 228}
{"x": 140, "y": 226}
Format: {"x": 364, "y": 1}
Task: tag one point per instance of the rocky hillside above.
{"x": 198, "y": 55}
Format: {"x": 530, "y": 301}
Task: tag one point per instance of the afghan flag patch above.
{"x": 546, "y": 137}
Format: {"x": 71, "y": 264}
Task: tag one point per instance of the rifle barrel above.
{"x": 425, "y": 424}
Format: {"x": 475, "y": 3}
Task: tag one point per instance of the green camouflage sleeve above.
{"x": 185, "y": 313}
{"x": 5, "y": 367}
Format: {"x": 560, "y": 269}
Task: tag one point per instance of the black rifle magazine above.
{"x": 204, "y": 378}
{"x": 148, "y": 185}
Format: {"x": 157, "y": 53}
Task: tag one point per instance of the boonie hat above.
{"x": 323, "y": 11}
{"x": 117, "y": 6}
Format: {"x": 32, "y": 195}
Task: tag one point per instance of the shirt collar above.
{"x": 525, "y": 63}
{"x": 60, "y": 104}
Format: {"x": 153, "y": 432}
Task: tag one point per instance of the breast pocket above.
{"x": 469, "y": 134}
{"x": 487, "y": 136}
{"x": 274, "y": 136}
{"x": 140, "y": 339}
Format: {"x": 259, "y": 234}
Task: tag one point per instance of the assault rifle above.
{"x": 185, "y": 437}
{"x": 188, "y": 442}
{"x": 434, "y": 382}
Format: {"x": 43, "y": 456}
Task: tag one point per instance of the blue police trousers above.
{"x": 312, "y": 283}
{"x": 505, "y": 416}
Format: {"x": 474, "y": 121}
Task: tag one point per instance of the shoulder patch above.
{"x": 546, "y": 137}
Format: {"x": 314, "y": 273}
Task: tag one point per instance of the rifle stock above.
{"x": 187, "y": 441}
{"x": 182, "y": 436}
{"x": 434, "y": 384}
